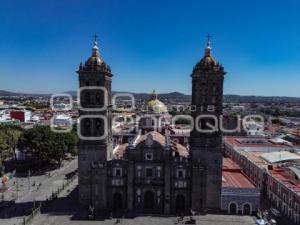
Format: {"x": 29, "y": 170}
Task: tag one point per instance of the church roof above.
{"x": 120, "y": 150}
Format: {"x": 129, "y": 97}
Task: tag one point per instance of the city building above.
{"x": 272, "y": 167}
{"x": 239, "y": 194}
{"x": 21, "y": 115}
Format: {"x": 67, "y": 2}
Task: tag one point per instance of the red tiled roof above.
{"x": 235, "y": 179}
{"x": 281, "y": 175}
{"x": 229, "y": 164}
{"x": 233, "y": 176}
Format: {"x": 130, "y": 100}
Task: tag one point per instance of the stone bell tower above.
{"x": 206, "y": 137}
{"x": 94, "y": 129}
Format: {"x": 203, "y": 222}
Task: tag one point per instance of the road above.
{"x": 29, "y": 195}
{"x": 63, "y": 210}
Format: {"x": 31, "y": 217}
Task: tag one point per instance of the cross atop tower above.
{"x": 95, "y": 37}
{"x": 208, "y": 39}
{"x": 207, "y": 51}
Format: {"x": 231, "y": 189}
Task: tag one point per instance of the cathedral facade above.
{"x": 151, "y": 174}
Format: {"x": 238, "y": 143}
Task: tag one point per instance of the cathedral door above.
{"x": 148, "y": 201}
{"x": 118, "y": 201}
{"x": 180, "y": 204}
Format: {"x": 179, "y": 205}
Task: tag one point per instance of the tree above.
{"x": 47, "y": 146}
{"x": 9, "y": 137}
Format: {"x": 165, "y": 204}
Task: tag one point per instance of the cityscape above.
{"x": 104, "y": 144}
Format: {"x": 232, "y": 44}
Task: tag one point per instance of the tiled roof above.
{"x": 176, "y": 147}
{"x": 232, "y": 175}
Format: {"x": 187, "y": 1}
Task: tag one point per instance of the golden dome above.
{"x": 95, "y": 59}
{"x": 155, "y": 105}
{"x": 208, "y": 63}
{"x": 94, "y": 62}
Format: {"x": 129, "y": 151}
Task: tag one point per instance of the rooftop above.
{"x": 232, "y": 175}
{"x": 281, "y": 175}
{"x": 281, "y": 156}
{"x": 260, "y": 144}
{"x": 156, "y": 137}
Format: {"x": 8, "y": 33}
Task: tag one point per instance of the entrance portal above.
{"x": 148, "y": 201}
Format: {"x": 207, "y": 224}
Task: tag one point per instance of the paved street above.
{"x": 61, "y": 212}
{"x": 28, "y": 195}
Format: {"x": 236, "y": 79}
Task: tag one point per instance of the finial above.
{"x": 95, "y": 39}
{"x": 95, "y": 47}
{"x": 154, "y": 95}
{"x": 208, "y": 40}
{"x": 208, "y": 48}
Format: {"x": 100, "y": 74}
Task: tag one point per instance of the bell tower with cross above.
{"x": 94, "y": 129}
{"x": 206, "y": 137}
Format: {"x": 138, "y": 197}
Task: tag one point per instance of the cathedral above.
{"x": 150, "y": 174}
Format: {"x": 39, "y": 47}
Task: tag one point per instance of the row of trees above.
{"x": 47, "y": 146}
{"x": 42, "y": 144}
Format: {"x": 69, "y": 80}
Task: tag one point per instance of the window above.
{"x": 87, "y": 97}
{"x": 87, "y": 126}
{"x": 180, "y": 184}
{"x": 149, "y": 156}
{"x": 117, "y": 172}
{"x": 98, "y": 97}
{"x": 180, "y": 173}
{"x": 99, "y": 126}
{"x": 149, "y": 172}
{"x": 158, "y": 171}
{"x": 139, "y": 168}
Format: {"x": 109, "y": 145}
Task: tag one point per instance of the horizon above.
{"x": 256, "y": 42}
{"x": 158, "y": 93}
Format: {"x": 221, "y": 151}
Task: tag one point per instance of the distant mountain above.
{"x": 177, "y": 96}
{"x": 260, "y": 99}
{"x": 11, "y": 94}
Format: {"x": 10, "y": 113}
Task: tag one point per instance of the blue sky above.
{"x": 151, "y": 43}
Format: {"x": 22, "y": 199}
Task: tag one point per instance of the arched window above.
{"x": 247, "y": 209}
{"x": 232, "y": 208}
{"x": 86, "y": 124}
{"x": 98, "y": 98}
{"x": 87, "y": 97}
{"x": 98, "y": 126}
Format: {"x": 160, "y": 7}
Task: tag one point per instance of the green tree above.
{"x": 9, "y": 137}
{"x": 47, "y": 146}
